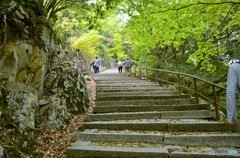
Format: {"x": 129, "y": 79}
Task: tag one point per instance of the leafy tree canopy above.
{"x": 173, "y": 23}
{"x": 202, "y": 33}
{"x": 88, "y": 43}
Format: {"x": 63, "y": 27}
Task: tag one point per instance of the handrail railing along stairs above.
{"x": 188, "y": 83}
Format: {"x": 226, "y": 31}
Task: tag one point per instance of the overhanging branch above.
{"x": 199, "y": 3}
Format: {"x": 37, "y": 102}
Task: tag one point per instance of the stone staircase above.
{"x": 139, "y": 118}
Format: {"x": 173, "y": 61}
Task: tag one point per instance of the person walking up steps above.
{"x": 119, "y": 64}
{"x": 96, "y": 64}
{"x": 127, "y": 65}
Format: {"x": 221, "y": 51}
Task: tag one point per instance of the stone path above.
{"x": 139, "y": 118}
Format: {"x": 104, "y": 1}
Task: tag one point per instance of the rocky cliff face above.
{"x": 35, "y": 82}
{"x": 39, "y": 82}
{"x": 22, "y": 70}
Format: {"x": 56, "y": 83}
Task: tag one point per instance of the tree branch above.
{"x": 199, "y": 3}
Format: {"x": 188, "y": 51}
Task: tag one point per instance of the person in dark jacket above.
{"x": 96, "y": 64}
{"x": 127, "y": 65}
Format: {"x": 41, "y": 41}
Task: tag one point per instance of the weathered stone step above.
{"x": 141, "y": 97}
{"x": 149, "y": 85}
{"x": 124, "y": 81}
{"x": 156, "y": 93}
{"x": 88, "y": 149}
{"x": 120, "y": 137}
{"x": 110, "y": 75}
{"x": 192, "y": 139}
{"x": 138, "y": 108}
{"x": 152, "y": 115}
{"x": 161, "y": 125}
{"x": 104, "y": 79}
{"x": 204, "y": 139}
{"x": 147, "y": 102}
{"x": 113, "y": 76}
{"x": 145, "y": 150}
{"x": 132, "y": 89}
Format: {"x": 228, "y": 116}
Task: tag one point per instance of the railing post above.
{"x": 146, "y": 73}
{"x": 135, "y": 71}
{"x": 140, "y": 75}
{"x": 166, "y": 79}
{"x": 156, "y": 76}
{"x": 130, "y": 70}
{"x": 215, "y": 103}
{"x": 196, "y": 90}
{"x": 179, "y": 85}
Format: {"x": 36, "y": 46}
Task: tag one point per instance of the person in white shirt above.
{"x": 119, "y": 64}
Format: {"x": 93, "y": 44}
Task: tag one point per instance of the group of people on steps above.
{"x": 126, "y": 64}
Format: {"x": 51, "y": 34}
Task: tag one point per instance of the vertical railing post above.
{"x": 196, "y": 90}
{"x": 156, "y": 76}
{"x": 140, "y": 76}
{"x": 179, "y": 85}
{"x": 216, "y": 103}
{"x": 146, "y": 73}
{"x": 135, "y": 71}
{"x": 166, "y": 78}
{"x": 130, "y": 70}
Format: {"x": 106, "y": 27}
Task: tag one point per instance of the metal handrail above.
{"x": 138, "y": 72}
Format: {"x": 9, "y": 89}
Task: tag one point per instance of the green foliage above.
{"x": 201, "y": 33}
{"x": 87, "y": 43}
{"x": 158, "y": 33}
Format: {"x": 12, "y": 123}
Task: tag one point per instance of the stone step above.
{"x": 188, "y": 139}
{"x": 145, "y": 150}
{"x": 205, "y": 139}
{"x": 101, "y": 75}
{"x": 148, "y": 85}
{"x": 111, "y": 75}
{"x": 119, "y": 136}
{"x": 155, "y": 93}
{"x": 147, "y": 102}
{"x": 152, "y": 115}
{"x": 140, "y": 97}
{"x": 88, "y": 149}
{"x": 160, "y": 125}
{"x": 118, "y": 78}
{"x": 133, "y": 89}
{"x": 123, "y": 81}
{"x": 139, "y": 108}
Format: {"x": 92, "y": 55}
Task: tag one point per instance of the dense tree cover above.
{"x": 159, "y": 33}
{"x": 169, "y": 34}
